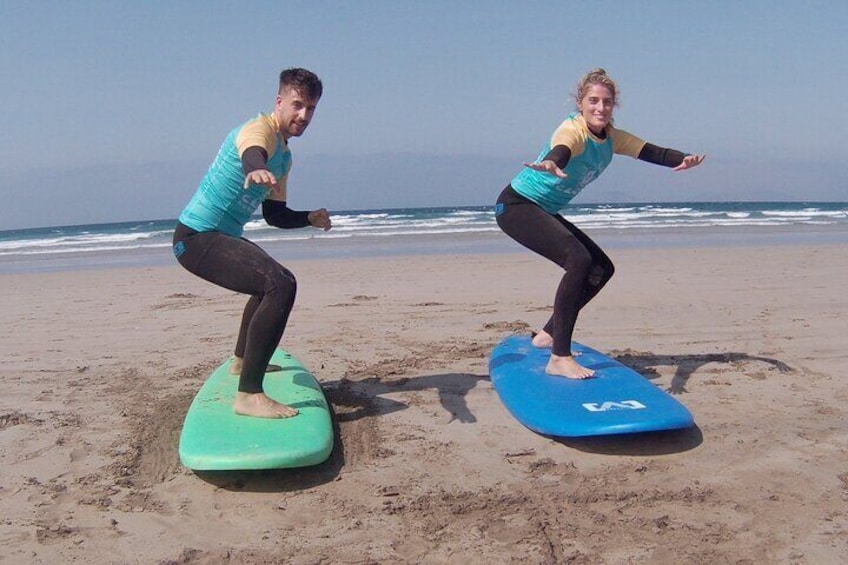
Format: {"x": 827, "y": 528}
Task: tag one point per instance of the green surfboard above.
{"x": 214, "y": 438}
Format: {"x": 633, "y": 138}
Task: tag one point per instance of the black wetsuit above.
{"x": 208, "y": 242}
{"x": 242, "y": 266}
{"x": 587, "y": 268}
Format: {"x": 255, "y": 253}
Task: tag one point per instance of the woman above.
{"x": 528, "y": 208}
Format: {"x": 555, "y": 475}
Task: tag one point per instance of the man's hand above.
{"x": 320, "y": 219}
{"x": 261, "y": 176}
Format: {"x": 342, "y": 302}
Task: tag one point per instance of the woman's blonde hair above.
{"x": 596, "y": 76}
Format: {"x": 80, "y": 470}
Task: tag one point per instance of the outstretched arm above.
{"x": 673, "y": 158}
{"x": 254, "y": 163}
{"x": 553, "y": 163}
{"x": 690, "y": 161}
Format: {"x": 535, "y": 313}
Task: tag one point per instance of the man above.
{"x": 251, "y": 168}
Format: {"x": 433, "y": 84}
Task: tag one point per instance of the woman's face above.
{"x": 596, "y": 107}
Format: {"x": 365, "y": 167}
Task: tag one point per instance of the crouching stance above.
{"x": 250, "y": 170}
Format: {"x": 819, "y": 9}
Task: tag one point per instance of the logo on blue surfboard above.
{"x": 610, "y": 405}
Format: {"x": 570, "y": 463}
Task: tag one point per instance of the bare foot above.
{"x": 544, "y": 340}
{"x": 566, "y": 366}
{"x": 260, "y": 406}
{"x": 235, "y": 367}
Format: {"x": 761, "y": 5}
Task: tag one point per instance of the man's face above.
{"x": 294, "y": 112}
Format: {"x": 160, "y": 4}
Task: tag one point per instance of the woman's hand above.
{"x": 690, "y": 161}
{"x": 546, "y": 166}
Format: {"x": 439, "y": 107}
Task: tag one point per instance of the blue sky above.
{"x": 112, "y": 110}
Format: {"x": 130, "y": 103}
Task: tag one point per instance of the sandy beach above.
{"x": 100, "y": 367}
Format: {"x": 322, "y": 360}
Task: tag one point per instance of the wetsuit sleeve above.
{"x": 277, "y": 214}
{"x": 559, "y": 155}
{"x": 661, "y": 156}
{"x": 254, "y": 158}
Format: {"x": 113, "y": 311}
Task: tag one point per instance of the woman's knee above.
{"x": 577, "y": 259}
{"x": 601, "y": 273}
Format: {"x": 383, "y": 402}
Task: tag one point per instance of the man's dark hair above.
{"x": 305, "y": 82}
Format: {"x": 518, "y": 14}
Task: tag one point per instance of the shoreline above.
{"x": 463, "y": 243}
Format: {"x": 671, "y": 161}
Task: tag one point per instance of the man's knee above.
{"x": 282, "y": 285}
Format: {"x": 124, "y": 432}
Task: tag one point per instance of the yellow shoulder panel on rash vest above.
{"x": 258, "y": 132}
{"x": 624, "y": 143}
{"x": 570, "y": 134}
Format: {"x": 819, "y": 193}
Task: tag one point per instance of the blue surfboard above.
{"x": 617, "y": 400}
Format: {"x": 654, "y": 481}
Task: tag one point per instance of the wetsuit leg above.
{"x": 247, "y": 316}
{"x": 241, "y": 266}
{"x": 601, "y": 269}
{"x": 586, "y": 267}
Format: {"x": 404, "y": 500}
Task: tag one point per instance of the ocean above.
{"x": 467, "y": 229}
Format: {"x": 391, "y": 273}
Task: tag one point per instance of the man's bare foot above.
{"x": 260, "y": 406}
{"x": 566, "y": 366}
{"x": 235, "y": 367}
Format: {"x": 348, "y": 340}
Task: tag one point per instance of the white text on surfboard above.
{"x": 610, "y": 405}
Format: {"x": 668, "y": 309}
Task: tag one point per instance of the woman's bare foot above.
{"x": 260, "y": 406}
{"x": 235, "y": 367}
{"x": 544, "y": 340}
{"x": 566, "y": 366}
